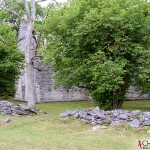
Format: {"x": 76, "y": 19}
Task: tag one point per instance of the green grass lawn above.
{"x": 48, "y": 132}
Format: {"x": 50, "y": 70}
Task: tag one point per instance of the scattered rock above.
{"x": 73, "y": 112}
{"x": 135, "y": 112}
{"x": 123, "y": 116}
{"x": 88, "y": 117}
{"x": 148, "y": 131}
{"x": 135, "y": 123}
{"x": 147, "y": 115}
{"x": 99, "y": 117}
{"x": 82, "y": 114}
{"x": 115, "y": 123}
{"x": 99, "y": 127}
{"x": 107, "y": 112}
{"x": 76, "y": 115}
{"x": 15, "y": 109}
{"x": 146, "y": 123}
{"x": 64, "y": 115}
{"x": 107, "y": 121}
{"x": 86, "y": 121}
{"x": 96, "y": 109}
{"x": 8, "y": 119}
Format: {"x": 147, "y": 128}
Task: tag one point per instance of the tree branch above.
{"x": 38, "y": 1}
{"x": 12, "y": 11}
{"x": 38, "y": 40}
{"x": 20, "y": 39}
{"x": 27, "y": 9}
{"x": 2, "y": 39}
{"x": 33, "y": 10}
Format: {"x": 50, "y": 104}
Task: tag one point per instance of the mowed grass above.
{"x": 49, "y": 132}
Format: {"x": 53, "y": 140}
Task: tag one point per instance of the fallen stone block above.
{"x": 8, "y": 119}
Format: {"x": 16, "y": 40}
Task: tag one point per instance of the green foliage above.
{"x": 10, "y": 17}
{"x": 102, "y": 45}
{"x": 7, "y": 15}
{"x": 10, "y": 59}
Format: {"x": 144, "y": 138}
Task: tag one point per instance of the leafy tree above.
{"x": 102, "y": 45}
{"x": 13, "y": 13}
{"x": 10, "y": 59}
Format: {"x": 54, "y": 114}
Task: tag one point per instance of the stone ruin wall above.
{"x": 44, "y": 87}
{"x": 44, "y": 91}
{"x": 134, "y": 94}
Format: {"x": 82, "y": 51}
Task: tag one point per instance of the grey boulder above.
{"x": 135, "y": 123}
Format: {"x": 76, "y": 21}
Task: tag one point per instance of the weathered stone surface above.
{"x": 99, "y": 122}
{"x": 115, "y": 123}
{"x": 15, "y": 109}
{"x": 107, "y": 112}
{"x": 76, "y": 115}
{"x": 64, "y": 115}
{"x": 135, "y": 112}
{"x": 134, "y": 93}
{"x": 146, "y": 123}
{"x": 88, "y": 117}
{"x": 123, "y": 116}
{"x": 146, "y": 114}
{"x": 73, "y": 112}
{"x": 82, "y": 114}
{"x": 8, "y": 119}
{"x": 107, "y": 121}
{"x": 96, "y": 116}
{"x": 86, "y": 121}
{"x": 135, "y": 123}
{"x": 100, "y": 115}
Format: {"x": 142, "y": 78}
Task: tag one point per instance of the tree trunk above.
{"x": 29, "y": 71}
{"x": 117, "y": 100}
{"x": 118, "y": 96}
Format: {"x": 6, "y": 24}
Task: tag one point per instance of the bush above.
{"x": 10, "y": 59}
{"x": 102, "y": 45}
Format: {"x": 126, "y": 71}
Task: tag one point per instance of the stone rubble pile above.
{"x": 15, "y": 109}
{"x": 96, "y": 116}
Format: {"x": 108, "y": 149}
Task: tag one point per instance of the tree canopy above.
{"x": 10, "y": 58}
{"x": 101, "y": 45}
{"x": 14, "y": 13}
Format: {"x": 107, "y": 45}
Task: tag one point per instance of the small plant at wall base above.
{"x": 102, "y": 45}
